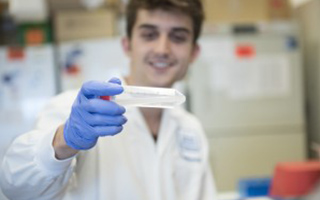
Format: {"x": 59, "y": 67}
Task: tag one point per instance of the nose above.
{"x": 162, "y": 46}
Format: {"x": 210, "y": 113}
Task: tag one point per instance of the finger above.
{"x": 104, "y": 120}
{"x": 103, "y": 107}
{"x": 95, "y": 88}
{"x": 79, "y": 142}
{"x": 102, "y": 131}
{"x": 81, "y": 99}
{"x": 78, "y": 137}
{"x": 115, "y": 81}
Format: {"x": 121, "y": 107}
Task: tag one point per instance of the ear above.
{"x": 195, "y": 52}
{"x": 126, "y": 46}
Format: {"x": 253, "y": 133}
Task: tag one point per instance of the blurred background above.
{"x": 255, "y": 87}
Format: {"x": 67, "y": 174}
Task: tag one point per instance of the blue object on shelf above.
{"x": 254, "y": 187}
{"x": 292, "y": 43}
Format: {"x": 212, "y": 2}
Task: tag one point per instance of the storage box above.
{"x": 72, "y": 25}
{"x": 55, "y": 5}
{"x": 35, "y": 34}
{"x": 64, "y": 4}
{"x": 246, "y": 11}
{"x": 280, "y": 9}
{"x": 253, "y": 187}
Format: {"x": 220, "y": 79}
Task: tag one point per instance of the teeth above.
{"x": 161, "y": 65}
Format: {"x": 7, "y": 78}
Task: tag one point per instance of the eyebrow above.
{"x": 181, "y": 29}
{"x": 175, "y": 29}
{"x": 147, "y": 26}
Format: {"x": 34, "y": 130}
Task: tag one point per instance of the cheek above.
{"x": 183, "y": 51}
{"x": 136, "y": 55}
{"x": 185, "y": 59}
{"x": 139, "y": 51}
{"x": 185, "y": 56}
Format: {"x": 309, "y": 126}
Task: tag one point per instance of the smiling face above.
{"x": 161, "y": 48}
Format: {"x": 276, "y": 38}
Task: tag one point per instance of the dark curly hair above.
{"x": 192, "y": 8}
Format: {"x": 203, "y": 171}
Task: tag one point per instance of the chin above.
{"x": 165, "y": 84}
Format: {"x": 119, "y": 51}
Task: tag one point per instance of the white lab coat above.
{"x": 128, "y": 166}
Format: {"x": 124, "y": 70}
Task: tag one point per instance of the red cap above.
{"x": 108, "y": 98}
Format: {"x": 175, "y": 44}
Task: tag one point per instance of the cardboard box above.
{"x": 280, "y": 9}
{"x": 56, "y": 5}
{"x": 246, "y": 11}
{"x": 235, "y": 11}
{"x": 79, "y": 24}
{"x": 64, "y": 4}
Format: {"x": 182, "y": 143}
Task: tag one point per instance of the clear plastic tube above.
{"x": 148, "y": 97}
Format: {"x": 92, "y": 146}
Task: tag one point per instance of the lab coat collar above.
{"x": 167, "y": 128}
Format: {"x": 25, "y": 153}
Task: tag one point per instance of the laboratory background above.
{"x": 255, "y": 86}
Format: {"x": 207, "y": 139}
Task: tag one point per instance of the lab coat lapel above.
{"x": 168, "y": 127}
{"x": 149, "y": 165}
{"x": 132, "y": 144}
{"x": 144, "y": 154}
{"x": 142, "y": 132}
{"x": 167, "y": 131}
{"x": 142, "y": 150}
{"x": 166, "y": 134}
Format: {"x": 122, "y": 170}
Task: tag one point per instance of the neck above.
{"x": 152, "y": 117}
{"x": 130, "y": 80}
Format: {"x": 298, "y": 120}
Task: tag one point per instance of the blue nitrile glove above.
{"x": 92, "y": 117}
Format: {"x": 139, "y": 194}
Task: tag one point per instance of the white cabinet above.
{"x": 252, "y": 154}
{"x": 308, "y": 15}
{"x": 248, "y": 93}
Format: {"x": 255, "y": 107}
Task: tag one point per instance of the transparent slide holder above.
{"x": 151, "y": 97}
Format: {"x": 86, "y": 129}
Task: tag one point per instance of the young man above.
{"x": 159, "y": 154}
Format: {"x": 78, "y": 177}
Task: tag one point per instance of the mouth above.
{"x": 161, "y": 65}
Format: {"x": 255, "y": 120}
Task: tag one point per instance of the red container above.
{"x": 295, "y": 179}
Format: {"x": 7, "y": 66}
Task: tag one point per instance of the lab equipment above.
{"x": 151, "y": 97}
{"x": 254, "y": 187}
{"x": 91, "y": 118}
{"x": 295, "y": 179}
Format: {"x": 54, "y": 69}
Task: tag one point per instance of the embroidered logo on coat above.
{"x": 189, "y": 145}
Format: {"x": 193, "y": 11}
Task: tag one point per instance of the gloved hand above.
{"x": 92, "y": 117}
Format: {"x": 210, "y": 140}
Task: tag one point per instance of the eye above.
{"x": 179, "y": 37}
{"x": 149, "y": 35}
